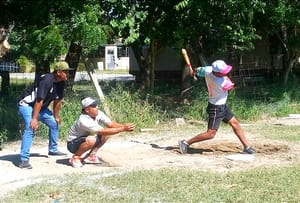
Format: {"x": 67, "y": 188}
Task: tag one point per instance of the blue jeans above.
{"x": 46, "y": 117}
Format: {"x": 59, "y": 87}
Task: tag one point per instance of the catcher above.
{"x": 87, "y": 133}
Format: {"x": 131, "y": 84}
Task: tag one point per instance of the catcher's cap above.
{"x": 88, "y": 101}
{"x": 221, "y": 67}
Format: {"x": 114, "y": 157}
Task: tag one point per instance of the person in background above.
{"x": 218, "y": 84}
{"x": 87, "y": 133}
{"x": 33, "y": 107}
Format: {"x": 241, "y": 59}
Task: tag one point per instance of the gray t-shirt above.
{"x": 86, "y": 125}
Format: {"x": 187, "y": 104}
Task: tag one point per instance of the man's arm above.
{"x": 35, "y": 113}
{"x": 201, "y": 71}
{"x": 56, "y": 107}
{"x": 114, "y": 128}
{"x": 114, "y": 124}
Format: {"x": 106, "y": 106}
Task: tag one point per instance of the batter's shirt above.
{"x": 86, "y": 125}
{"x": 217, "y": 86}
{"x": 45, "y": 87}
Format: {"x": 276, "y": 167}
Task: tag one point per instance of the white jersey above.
{"x": 217, "y": 86}
{"x": 86, "y": 125}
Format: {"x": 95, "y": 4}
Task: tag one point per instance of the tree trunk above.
{"x": 142, "y": 61}
{"x": 72, "y": 59}
{"x": 289, "y": 66}
{"x": 5, "y": 82}
{"x": 289, "y": 52}
{"x": 153, "y": 54}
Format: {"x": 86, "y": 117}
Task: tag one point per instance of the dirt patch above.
{"x": 224, "y": 147}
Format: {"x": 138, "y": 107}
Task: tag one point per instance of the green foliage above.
{"x": 226, "y": 25}
{"x": 131, "y": 23}
{"x": 26, "y": 66}
{"x": 47, "y": 43}
{"x": 182, "y": 5}
{"x": 127, "y": 107}
{"x": 3, "y": 137}
{"x": 245, "y": 110}
{"x": 196, "y": 110}
{"x": 86, "y": 27}
{"x": 10, "y": 121}
{"x": 210, "y": 27}
{"x": 69, "y": 113}
{"x": 51, "y": 27}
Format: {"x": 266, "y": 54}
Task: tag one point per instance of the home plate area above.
{"x": 231, "y": 150}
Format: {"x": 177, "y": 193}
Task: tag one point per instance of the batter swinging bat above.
{"x": 188, "y": 62}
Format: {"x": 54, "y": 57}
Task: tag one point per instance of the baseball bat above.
{"x": 188, "y": 62}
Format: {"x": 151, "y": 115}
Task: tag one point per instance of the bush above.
{"x": 10, "y": 121}
{"x": 131, "y": 107}
{"x": 26, "y": 66}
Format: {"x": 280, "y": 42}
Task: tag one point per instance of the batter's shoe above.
{"x": 249, "y": 150}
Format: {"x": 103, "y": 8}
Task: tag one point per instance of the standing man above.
{"x": 87, "y": 133}
{"x": 218, "y": 85}
{"x": 33, "y": 107}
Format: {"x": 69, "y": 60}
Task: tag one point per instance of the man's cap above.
{"x": 88, "y": 101}
{"x": 221, "y": 67}
{"x": 62, "y": 65}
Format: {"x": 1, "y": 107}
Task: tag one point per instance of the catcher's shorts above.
{"x": 217, "y": 114}
{"x": 74, "y": 145}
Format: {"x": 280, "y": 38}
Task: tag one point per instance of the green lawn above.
{"x": 167, "y": 185}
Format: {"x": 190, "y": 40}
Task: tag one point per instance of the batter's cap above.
{"x": 221, "y": 67}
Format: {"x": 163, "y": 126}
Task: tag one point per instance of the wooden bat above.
{"x": 188, "y": 63}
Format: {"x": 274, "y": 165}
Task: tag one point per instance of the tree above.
{"x": 280, "y": 20}
{"x": 145, "y": 23}
{"x": 206, "y": 28}
{"x": 45, "y": 30}
{"x": 221, "y": 27}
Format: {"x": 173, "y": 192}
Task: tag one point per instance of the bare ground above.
{"x": 147, "y": 150}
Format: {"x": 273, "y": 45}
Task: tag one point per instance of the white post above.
{"x": 98, "y": 88}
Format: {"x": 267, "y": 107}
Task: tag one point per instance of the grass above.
{"x": 274, "y": 132}
{"x": 168, "y": 185}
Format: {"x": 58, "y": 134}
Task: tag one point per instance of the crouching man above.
{"x": 87, "y": 133}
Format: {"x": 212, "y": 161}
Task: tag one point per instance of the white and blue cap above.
{"x": 88, "y": 101}
{"x": 221, "y": 67}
